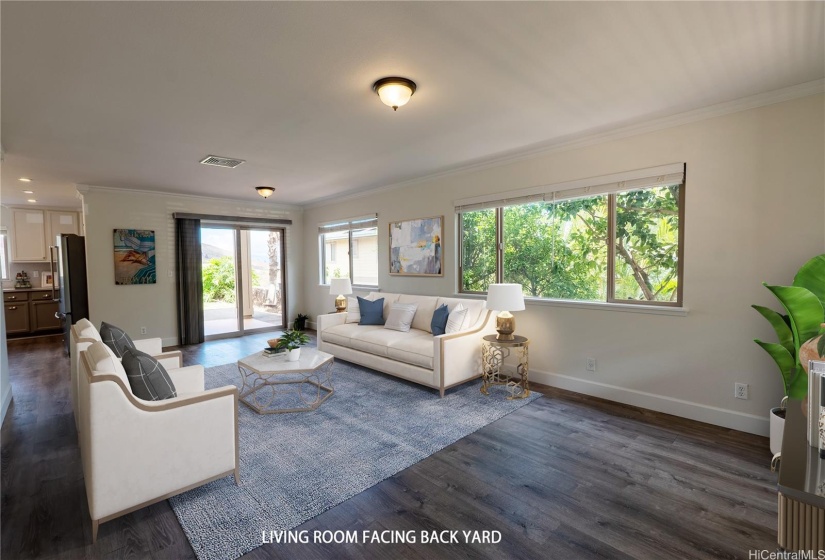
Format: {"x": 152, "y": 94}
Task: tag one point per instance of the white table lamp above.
{"x": 342, "y": 287}
{"x": 505, "y": 298}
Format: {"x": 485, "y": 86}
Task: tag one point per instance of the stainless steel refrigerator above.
{"x": 68, "y": 262}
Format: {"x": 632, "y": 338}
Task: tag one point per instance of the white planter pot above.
{"x": 294, "y": 355}
{"x": 777, "y": 427}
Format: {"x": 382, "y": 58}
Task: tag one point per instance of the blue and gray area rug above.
{"x": 296, "y": 466}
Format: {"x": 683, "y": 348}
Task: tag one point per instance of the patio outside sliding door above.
{"x": 243, "y": 280}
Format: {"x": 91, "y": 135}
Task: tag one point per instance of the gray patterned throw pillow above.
{"x": 148, "y": 379}
{"x": 115, "y": 338}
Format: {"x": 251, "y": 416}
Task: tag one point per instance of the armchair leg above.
{"x": 237, "y": 477}
{"x": 442, "y": 392}
{"x": 95, "y": 525}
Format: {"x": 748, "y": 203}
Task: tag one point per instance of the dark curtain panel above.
{"x": 190, "y": 282}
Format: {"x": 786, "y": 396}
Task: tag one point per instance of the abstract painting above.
{"x": 135, "y": 256}
{"x": 416, "y": 247}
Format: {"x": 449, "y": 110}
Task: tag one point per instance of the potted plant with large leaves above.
{"x": 292, "y": 340}
{"x": 804, "y": 305}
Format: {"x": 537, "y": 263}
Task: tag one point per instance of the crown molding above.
{"x": 83, "y": 189}
{"x": 592, "y": 137}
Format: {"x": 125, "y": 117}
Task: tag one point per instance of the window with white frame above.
{"x": 614, "y": 239}
{"x": 4, "y": 254}
{"x": 349, "y": 249}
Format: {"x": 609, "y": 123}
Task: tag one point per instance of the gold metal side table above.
{"x": 493, "y": 354}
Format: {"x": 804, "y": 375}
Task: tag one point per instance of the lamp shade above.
{"x": 505, "y": 297}
{"x": 340, "y": 286}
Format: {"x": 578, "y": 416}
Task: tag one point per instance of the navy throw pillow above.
{"x": 439, "y": 323}
{"x": 372, "y": 312}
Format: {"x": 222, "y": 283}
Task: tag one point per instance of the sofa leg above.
{"x": 95, "y": 525}
{"x": 237, "y": 477}
{"x": 442, "y": 392}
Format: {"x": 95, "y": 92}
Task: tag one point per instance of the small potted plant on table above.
{"x": 292, "y": 340}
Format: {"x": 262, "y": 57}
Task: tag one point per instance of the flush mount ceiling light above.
{"x": 25, "y": 179}
{"x": 28, "y": 192}
{"x": 393, "y": 91}
{"x": 265, "y": 192}
{"x": 32, "y": 200}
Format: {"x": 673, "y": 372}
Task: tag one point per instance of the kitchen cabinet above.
{"x": 34, "y": 230}
{"x": 30, "y": 312}
{"x": 28, "y": 236}
{"x": 61, "y": 221}
{"x": 42, "y": 310}
{"x": 16, "y": 308}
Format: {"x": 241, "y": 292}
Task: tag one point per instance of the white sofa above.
{"x": 439, "y": 362}
{"x": 137, "y": 452}
{"x": 83, "y": 333}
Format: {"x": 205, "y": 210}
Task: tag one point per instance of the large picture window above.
{"x": 349, "y": 249}
{"x": 617, "y": 244}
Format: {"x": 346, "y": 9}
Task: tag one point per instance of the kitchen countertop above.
{"x": 7, "y": 290}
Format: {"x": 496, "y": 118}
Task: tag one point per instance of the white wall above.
{"x": 154, "y": 306}
{"x": 755, "y": 193}
{"x": 5, "y": 382}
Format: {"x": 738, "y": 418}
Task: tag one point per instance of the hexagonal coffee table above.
{"x": 273, "y": 385}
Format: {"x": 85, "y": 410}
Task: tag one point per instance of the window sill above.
{"x": 596, "y": 305}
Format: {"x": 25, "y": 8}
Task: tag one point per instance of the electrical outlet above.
{"x": 740, "y": 390}
{"x": 171, "y": 274}
{"x": 35, "y": 274}
{"x": 591, "y": 364}
{"x": 142, "y": 330}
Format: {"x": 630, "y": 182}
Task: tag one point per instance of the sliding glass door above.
{"x": 243, "y": 280}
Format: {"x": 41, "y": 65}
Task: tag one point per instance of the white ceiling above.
{"x": 134, "y": 94}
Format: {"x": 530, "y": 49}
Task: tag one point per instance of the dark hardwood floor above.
{"x": 565, "y": 477}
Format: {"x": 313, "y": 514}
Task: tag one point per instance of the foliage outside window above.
{"x": 219, "y": 279}
{"x": 568, "y": 249}
{"x": 350, "y": 250}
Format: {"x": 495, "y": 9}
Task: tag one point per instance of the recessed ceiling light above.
{"x": 29, "y": 192}
{"x": 25, "y": 179}
{"x": 32, "y": 200}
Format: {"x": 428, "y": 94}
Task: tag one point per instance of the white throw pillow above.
{"x": 401, "y": 316}
{"x": 455, "y": 320}
{"x": 353, "y": 310}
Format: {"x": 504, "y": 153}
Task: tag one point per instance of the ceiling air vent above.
{"x": 222, "y": 161}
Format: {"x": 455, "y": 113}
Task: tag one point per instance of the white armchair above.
{"x": 137, "y": 452}
{"x": 83, "y": 333}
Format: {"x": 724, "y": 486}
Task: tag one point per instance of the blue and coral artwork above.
{"x": 135, "y": 256}
{"x": 416, "y": 247}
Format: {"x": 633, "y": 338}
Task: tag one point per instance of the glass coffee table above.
{"x": 272, "y": 385}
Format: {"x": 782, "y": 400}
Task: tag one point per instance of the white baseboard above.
{"x": 710, "y": 414}
{"x": 6, "y": 401}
